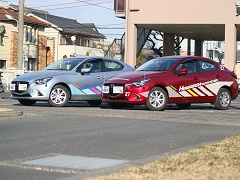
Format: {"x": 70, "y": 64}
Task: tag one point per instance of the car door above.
{"x": 111, "y": 68}
{"x": 87, "y": 85}
{"x": 186, "y": 84}
{"x": 210, "y": 77}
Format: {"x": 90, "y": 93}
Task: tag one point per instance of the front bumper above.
{"x": 33, "y": 92}
{"x": 130, "y": 95}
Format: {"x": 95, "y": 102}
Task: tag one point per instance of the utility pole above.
{"x": 20, "y": 35}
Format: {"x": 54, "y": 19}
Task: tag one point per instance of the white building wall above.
{"x": 71, "y": 50}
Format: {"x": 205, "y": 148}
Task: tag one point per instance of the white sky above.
{"x": 84, "y": 12}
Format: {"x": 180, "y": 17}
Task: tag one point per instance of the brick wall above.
{"x": 44, "y": 57}
{"x": 51, "y": 52}
{"x": 13, "y": 49}
{"x": 42, "y": 45}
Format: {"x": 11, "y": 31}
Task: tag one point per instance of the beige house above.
{"x": 34, "y": 41}
{"x": 66, "y": 37}
{"x": 199, "y": 20}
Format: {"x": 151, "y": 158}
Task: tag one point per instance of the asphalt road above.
{"x": 136, "y": 135}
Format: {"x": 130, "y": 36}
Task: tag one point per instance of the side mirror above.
{"x": 182, "y": 71}
{"x": 85, "y": 70}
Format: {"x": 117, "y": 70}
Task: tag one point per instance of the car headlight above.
{"x": 141, "y": 82}
{"x": 43, "y": 80}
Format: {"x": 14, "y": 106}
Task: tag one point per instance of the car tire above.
{"x": 183, "y": 105}
{"x": 95, "y": 103}
{"x": 117, "y": 105}
{"x": 157, "y": 99}
{"x": 59, "y": 96}
{"x": 223, "y": 100}
{"x": 27, "y": 102}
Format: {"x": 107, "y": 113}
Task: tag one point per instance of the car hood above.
{"x": 31, "y": 76}
{"x": 133, "y": 76}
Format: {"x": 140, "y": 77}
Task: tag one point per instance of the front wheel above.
{"x": 157, "y": 99}
{"x": 223, "y": 99}
{"x": 59, "y": 96}
{"x": 27, "y": 102}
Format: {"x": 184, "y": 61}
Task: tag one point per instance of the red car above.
{"x": 173, "y": 79}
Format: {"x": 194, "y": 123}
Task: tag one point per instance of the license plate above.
{"x": 12, "y": 87}
{"x": 105, "y": 89}
{"x": 117, "y": 89}
{"x": 22, "y": 87}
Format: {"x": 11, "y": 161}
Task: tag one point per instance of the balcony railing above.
{"x": 119, "y": 8}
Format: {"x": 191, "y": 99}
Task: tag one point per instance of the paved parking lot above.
{"x": 129, "y": 136}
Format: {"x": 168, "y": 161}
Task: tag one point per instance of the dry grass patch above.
{"x": 214, "y": 161}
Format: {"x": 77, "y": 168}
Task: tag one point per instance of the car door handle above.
{"x": 99, "y": 77}
{"x": 195, "y": 78}
{"x": 218, "y": 76}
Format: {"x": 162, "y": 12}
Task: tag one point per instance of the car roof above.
{"x": 183, "y": 57}
{"x": 92, "y": 57}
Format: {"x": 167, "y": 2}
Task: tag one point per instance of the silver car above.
{"x": 75, "y": 78}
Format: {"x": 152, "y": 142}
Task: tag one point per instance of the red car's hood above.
{"x": 132, "y": 76}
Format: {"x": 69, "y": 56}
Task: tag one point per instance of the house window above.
{"x": 84, "y": 42}
{"x": 30, "y": 65}
{"x": 2, "y": 64}
{"x": 30, "y": 34}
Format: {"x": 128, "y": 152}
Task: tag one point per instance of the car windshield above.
{"x": 64, "y": 64}
{"x": 159, "y": 64}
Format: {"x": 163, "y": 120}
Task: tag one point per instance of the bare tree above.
{"x": 158, "y": 36}
{"x": 152, "y": 41}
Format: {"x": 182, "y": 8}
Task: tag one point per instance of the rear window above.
{"x": 112, "y": 66}
{"x": 206, "y": 66}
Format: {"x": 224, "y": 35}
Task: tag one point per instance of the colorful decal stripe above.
{"x": 76, "y": 86}
{"x": 95, "y": 90}
{"x": 205, "y": 91}
{"x": 185, "y": 94}
{"x": 88, "y": 91}
{"x": 192, "y": 93}
{"x": 99, "y": 88}
{"x": 173, "y": 87}
{"x": 198, "y": 92}
{"x": 208, "y": 88}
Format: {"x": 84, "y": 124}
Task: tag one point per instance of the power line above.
{"x": 109, "y": 24}
{"x": 110, "y": 28}
{"x": 57, "y": 4}
{"x": 95, "y": 5}
{"x": 84, "y": 27}
{"x": 86, "y": 4}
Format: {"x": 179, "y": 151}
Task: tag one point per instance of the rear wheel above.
{"x": 223, "y": 99}
{"x": 117, "y": 105}
{"x": 157, "y": 99}
{"x": 183, "y": 105}
{"x": 27, "y": 102}
{"x": 95, "y": 103}
{"x": 59, "y": 96}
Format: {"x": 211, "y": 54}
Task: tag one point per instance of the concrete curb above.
{"x": 7, "y": 112}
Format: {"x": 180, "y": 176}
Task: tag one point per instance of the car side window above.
{"x": 188, "y": 64}
{"x": 93, "y": 65}
{"x": 206, "y": 66}
{"x": 112, "y": 66}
